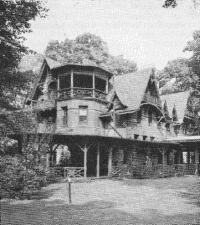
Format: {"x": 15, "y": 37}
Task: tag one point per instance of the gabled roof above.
{"x": 46, "y": 62}
{"x": 52, "y": 63}
{"x": 179, "y": 101}
{"x": 130, "y": 88}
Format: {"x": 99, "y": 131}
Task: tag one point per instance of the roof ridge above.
{"x": 175, "y": 93}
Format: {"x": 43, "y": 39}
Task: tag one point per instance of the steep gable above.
{"x": 42, "y": 76}
{"x": 151, "y": 94}
{"x": 131, "y": 88}
{"x": 179, "y": 101}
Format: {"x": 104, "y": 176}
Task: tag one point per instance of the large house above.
{"x": 109, "y": 125}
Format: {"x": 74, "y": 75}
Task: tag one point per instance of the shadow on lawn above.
{"x": 46, "y": 212}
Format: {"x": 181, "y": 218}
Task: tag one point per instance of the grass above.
{"x": 110, "y": 202}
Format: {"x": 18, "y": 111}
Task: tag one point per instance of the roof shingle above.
{"x": 130, "y": 88}
{"x": 179, "y": 100}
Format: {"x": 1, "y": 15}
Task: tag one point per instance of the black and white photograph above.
{"x": 99, "y": 112}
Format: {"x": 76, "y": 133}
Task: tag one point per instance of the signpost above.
{"x": 69, "y": 189}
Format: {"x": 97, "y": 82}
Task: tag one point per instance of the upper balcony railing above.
{"x": 78, "y": 92}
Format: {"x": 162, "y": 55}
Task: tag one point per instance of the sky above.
{"x": 140, "y": 30}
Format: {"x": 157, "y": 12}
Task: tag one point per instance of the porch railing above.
{"x": 63, "y": 172}
{"x": 159, "y": 170}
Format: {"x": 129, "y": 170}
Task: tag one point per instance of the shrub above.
{"x": 18, "y": 181}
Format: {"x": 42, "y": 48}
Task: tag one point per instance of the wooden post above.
{"x": 109, "y": 161}
{"x": 107, "y": 82}
{"x": 58, "y": 87}
{"x": 163, "y": 150}
{"x": 85, "y": 161}
{"x": 196, "y": 162}
{"x": 72, "y": 83}
{"x": 85, "y": 150}
{"x": 98, "y": 160}
{"x": 188, "y": 157}
{"x": 47, "y": 161}
{"x": 93, "y": 84}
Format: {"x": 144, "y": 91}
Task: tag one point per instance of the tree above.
{"x": 176, "y": 76}
{"x": 23, "y": 173}
{"x": 89, "y": 49}
{"x": 174, "y": 3}
{"x": 15, "y": 17}
{"x": 194, "y": 47}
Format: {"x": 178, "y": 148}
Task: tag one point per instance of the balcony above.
{"x": 151, "y": 99}
{"x": 78, "y": 92}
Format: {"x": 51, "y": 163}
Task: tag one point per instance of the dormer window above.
{"x": 167, "y": 125}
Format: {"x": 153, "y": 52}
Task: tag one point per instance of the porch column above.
{"x": 58, "y": 88}
{"x": 47, "y": 161}
{"x": 107, "y": 81}
{"x": 196, "y": 161}
{"x": 163, "y": 151}
{"x": 85, "y": 150}
{"x": 98, "y": 160}
{"x": 109, "y": 161}
{"x": 188, "y": 157}
{"x": 85, "y": 161}
{"x": 72, "y": 83}
{"x": 93, "y": 84}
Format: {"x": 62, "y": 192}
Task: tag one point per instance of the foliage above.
{"x": 176, "y": 76}
{"x": 194, "y": 47}
{"x": 89, "y": 49}
{"x": 17, "y": 180}
{"x": 15, "y": 20}
{"x": 170, "y": 3}
{"x": 22, "y": 174}
{"x": 174, "y": 3}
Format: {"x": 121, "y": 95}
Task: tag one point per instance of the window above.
{"x": 139, "y": 116}
{"x": 152, "y": 138}
{"x": 176, "y": 129}
{"x": 65, "y": 82}
{"x": 65, "y": 115}
{"x": 83, "y": 113}
{"x": 136, "y": 136}
{"x": 167, "y": 125}
{"x": 144, "y": 138}
{"x": 100, "y": 84}
{"x": 83, "y": 81}
{"x": 150, "y": 116}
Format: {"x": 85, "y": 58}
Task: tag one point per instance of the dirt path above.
{"x": 163, "y": 201}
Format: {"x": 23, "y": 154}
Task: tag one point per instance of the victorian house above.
{"x": 109, "y": 125}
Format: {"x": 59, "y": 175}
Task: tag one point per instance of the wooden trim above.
{"x": 93, "y": 84}
{"x": 72, "y": 83}
{"x": 98, "y": 160}
{"x": 110, "y": 161}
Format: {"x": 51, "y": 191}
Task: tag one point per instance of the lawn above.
{"x": 157, "y": 201}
